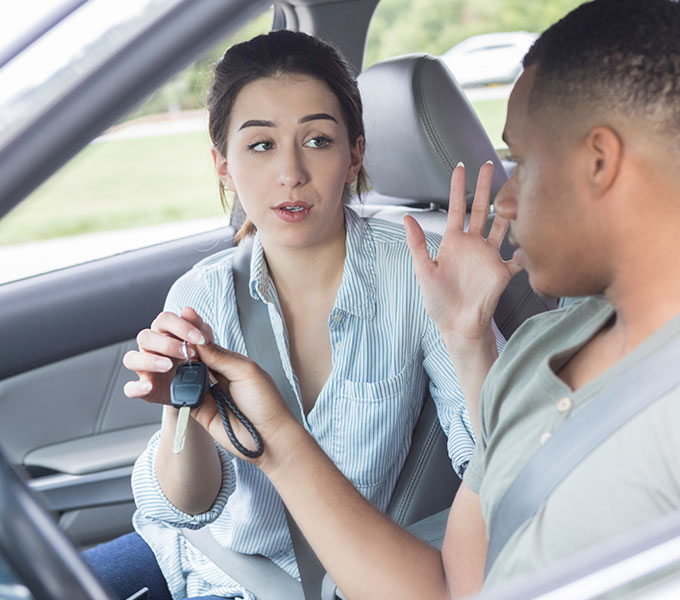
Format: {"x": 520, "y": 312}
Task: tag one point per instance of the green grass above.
{"x": 144, "y": 181}
{"x": 116, "y": 184}
{"x": 492, "y": 115}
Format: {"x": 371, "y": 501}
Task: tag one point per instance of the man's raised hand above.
{"x": 463, "y": 283}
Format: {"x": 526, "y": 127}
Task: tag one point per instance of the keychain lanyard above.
{"x": 226, "y": 403}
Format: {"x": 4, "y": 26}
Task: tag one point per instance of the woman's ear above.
{"x": 222, "y": 169}
{"x": 356, "y": 156}
{"x": 606, "y": 152}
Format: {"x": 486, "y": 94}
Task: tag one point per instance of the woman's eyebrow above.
{"x": 257, "y": 123}
{"x": 317, "y": 116}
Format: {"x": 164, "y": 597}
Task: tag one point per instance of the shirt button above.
{"x": 545, "y": 437}
{"x": 564, "y": 404}
{"x": 336, "y": 318}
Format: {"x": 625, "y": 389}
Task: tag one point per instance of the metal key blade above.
{"x": 181, "y": 429}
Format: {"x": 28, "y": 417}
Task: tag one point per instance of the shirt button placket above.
{"x": 334, "y": 326}
{"x": 565, "y": 404}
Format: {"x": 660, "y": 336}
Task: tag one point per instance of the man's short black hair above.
{"x": 615, "y": 57}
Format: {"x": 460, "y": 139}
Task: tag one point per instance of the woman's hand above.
{"x": 160, "y": 351}
{"x": 256, "y": 396}
{"x": 462, "y": 285}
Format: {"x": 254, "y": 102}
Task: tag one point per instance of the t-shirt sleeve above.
{"x": 475, "y": 471}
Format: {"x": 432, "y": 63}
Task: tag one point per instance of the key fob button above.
{"x": 189, "y": 375}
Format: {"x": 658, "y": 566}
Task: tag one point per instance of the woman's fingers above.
{"x": 138, "y": 389}
{"x": 146, "y": 361}
{"x": 190, "y": 315}
{"x": 480, "y": 204}
{"x": 170, "y": 323}
{"x": 153, "y": 342}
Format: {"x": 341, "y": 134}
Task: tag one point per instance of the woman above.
{"x": 354, "y": 338}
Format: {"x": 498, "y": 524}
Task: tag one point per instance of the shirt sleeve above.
{"x": 154, "y": 505}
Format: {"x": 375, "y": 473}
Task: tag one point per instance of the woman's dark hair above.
{"x": 274, "y": 54}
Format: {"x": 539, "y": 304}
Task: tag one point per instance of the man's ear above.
{"x": 356, "y": 156}
{"x": 222, "y": 169}
{"x": 605, "y": 149}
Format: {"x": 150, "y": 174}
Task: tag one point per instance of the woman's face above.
{"x": 289, "y": 158}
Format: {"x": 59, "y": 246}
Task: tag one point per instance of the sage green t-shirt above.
{"x": 631, "y": 479}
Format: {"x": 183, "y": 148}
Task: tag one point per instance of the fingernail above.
{"x": 163, "y": 363}
{"x": 196, "y": 338}
{"x": 192, "y": 352}
{"x": 488, "y": 162}
{"x": 146, "y": 386}
{"x": 460, "y": 164}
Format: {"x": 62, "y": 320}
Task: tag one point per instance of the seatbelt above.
{"x": 642, "y": 384}
{"x": 262, "y": 348}
{"x": 255, "y": 572}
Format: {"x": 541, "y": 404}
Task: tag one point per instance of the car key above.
{"x": 187, "y": 391}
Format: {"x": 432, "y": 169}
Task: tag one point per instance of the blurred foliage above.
{"x": 434, "y": 26}
{"x": 398, "y": 27}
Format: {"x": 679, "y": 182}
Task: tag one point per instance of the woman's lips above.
{"x": 292, "y": 212}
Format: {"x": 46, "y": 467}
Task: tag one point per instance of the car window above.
{"x": 38, "y": 75}
{"x": 482, "y": 43}
{"x": 146, "y": 180}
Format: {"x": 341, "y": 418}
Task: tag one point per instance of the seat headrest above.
{"x": 419, "y": 124}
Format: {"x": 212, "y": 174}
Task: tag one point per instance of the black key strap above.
{"x": 226, "y": 403}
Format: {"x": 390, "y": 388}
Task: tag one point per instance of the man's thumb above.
{"x": 227, "y": 363}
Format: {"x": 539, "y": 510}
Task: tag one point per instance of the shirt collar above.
{"x": 357, "y": 291}
{"x": 260, "y": 281}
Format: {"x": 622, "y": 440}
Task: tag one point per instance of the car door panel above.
{"x": 63, "y": 414}
{"x": 95, "y": 304}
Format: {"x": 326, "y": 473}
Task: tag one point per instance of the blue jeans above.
{"x": 126, "y": 565}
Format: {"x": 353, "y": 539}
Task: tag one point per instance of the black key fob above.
{"x": 189, "y": 385}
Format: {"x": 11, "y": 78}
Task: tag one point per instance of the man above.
{"x": 594, "y": 207}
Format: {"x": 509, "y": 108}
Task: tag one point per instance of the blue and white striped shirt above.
{"x": 385, "y": 349}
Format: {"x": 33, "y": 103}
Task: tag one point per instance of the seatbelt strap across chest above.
{"x": 641, "y": 385}
{"x": 262, "y": 348}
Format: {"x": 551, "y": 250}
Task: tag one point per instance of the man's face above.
{"x": 546, "y": 200}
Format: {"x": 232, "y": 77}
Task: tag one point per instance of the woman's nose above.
{"x": 291, "y": 171}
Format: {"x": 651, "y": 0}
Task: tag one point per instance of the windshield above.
{"x": 38, "y": 76}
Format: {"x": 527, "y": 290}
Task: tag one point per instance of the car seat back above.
{"x": 419, "y": 125}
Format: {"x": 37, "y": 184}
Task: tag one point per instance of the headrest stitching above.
{"x": 424, "y": 112}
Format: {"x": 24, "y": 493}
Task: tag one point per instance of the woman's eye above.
{"x": 262, "y": 146}
{"x": 320, "y": 141}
